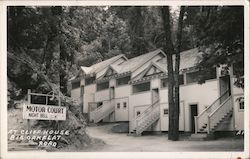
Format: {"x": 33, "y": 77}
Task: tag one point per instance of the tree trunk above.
{"x": 176, "y": 77}
{"x": 169, "y": 50}
{"x": 173, "y": 76}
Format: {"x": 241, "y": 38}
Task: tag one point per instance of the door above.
{"x": 112, "y": 92}
{"x": 225, "y": 86}
{"x": 193, "y": 113}
{"x": 81, "y": 98}
{"x": 155, "y": 95}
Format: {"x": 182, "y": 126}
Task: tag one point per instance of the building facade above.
{"x": 135, "y": 90}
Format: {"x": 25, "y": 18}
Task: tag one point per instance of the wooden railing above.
{"x": 102, "y": 111}
{"x": 146, "y": 117}
{"x": 217, "y": 114}
{"x": 202, "y": 119}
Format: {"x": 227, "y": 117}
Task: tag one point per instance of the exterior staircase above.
{"x": 146, "y": 119}
{"x": 207, "y": 122}
{"x": 102, "y": 111}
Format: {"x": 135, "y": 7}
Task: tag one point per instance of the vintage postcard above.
{"x": 125, "y": 79}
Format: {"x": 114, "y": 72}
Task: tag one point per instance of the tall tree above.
{"x": 220, "y": 36}
{"x": 173, "y": 70}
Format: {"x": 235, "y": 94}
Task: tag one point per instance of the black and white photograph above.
{"x": 126, "y": 78}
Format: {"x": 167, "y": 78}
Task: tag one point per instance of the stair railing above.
{"x": 99, "y": 113}
{"x": 202, "y": 119}
{"x": 134, "y": 122}
{"x": 154, "y": 108}
{"x": 217, "y": 114}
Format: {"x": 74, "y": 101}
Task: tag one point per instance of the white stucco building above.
{"x": 135, "y": 90}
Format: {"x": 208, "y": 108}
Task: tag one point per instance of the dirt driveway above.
{"x": 121, "y": 142}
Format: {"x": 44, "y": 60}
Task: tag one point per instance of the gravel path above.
{"x": 121, "y": 142}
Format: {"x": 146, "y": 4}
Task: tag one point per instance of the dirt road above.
{"x": 121, "y": 142}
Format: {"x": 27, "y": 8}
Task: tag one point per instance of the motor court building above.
{"x": 135, "y": 90}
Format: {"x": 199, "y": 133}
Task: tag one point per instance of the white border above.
{"x": 112, "y": 155}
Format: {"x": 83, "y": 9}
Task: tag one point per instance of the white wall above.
{"x": 202, "y": 95}
{"x": 121, "y": 114}
{"x": 122, "y": 94}
{"x": 142, "y": 100}
{"x": 102, "y": 95}
{"x": 89, "y": 91}
{"x": 238, "y": 114}
{"x": 155, "y": 83}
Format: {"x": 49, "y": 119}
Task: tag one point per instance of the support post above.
{"x": 196, "y": 124}
{"x": 29, "y": 102}
{"x": 208, "y": 125}
{"x": 46, "y": 100}
{"x": 59, "y": 99}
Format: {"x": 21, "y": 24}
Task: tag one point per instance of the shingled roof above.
{"x": 101, "y": 65}
{"x": 188, "y": 59}
{"x": 133, "y": 63}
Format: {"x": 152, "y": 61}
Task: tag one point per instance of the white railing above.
{"x": 215, "y": 117}
{"x": 102, "y": 111}
{"x": 147, "y": 117}
{"x": 202, "y": 119}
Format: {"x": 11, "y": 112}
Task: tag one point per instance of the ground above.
{"x": 121, "y": 142}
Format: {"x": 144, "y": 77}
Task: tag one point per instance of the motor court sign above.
{"x": 43, "y": 112}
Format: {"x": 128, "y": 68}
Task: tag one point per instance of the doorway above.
{"x": 112, "y": 92}
{"x": 155, "y": 95}
{"x": 193, "y": 113}
{"x": 225, "y": 86}
{"x": 82, "y": 99}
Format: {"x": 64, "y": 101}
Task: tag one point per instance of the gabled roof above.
{"x": 153, "y": 64}
{"x": 108, "y": 70}
{"x": 134, "y": 63}
{"x": 86, "y": 70}
{"x": 101, "y": 65}
{"x": 188, "y": 59}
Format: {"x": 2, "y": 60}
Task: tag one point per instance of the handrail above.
{"x": 213, "y": 119}
{"x": 146, "y": 114}
{"x": 152, "y": 105}
{"x": 102, "y": 111}
{"x": 222, "y": 104}
{"x": 219, "y": 98}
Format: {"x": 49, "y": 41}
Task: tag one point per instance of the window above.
{"x": 241, "y": 104}
{"x": 164, "y": 83}
{"x": 89, "y": 80}
{"x": 196, "y": 76}
{"x": 181, "y": 79}
{"x": 124, "y": 104}
{"x": 165, "y": 111}
{"x": 102, "y": 86}
{"x": 138, "y": 113}
{"x": 118, "y": 105}
{"x": 141, "y": 87}
{"x": 211, "y": 74}
{"x": 192, "y": 77}
{"x": 75, "y": 85}
{"x": 122, "y": 81}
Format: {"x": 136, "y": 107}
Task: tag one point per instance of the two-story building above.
{"x": 135, "y": 90}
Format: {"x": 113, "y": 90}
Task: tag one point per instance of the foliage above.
{"x": 220, "y": 36}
